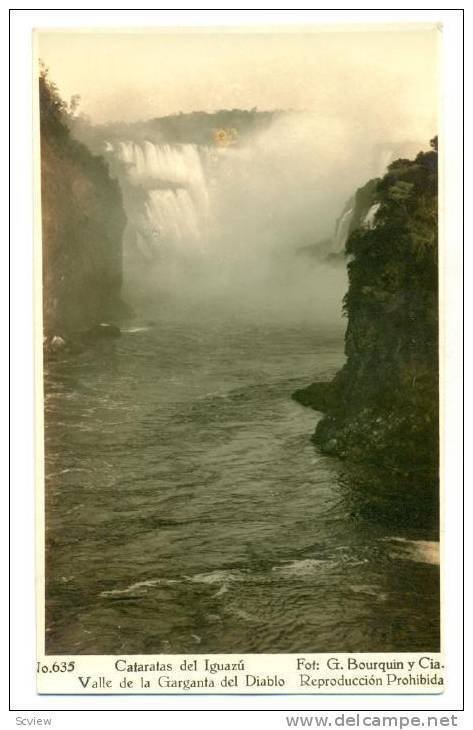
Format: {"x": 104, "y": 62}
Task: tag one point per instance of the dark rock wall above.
{"x": 82, "y": 226}
{"x": 382, "y": 407}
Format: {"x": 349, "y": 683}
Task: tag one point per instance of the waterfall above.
{"x": 342, "y": 228}
{"x": 177, "y": 164}
{"x": 173, "y": 214}
{"x": 341, "y": 231}
{"x": 175, "y": 206}
{"x": 218, "y": 225}
{"x": 368, "y": 220}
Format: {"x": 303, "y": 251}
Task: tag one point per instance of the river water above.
{"x": 187, "y": 509}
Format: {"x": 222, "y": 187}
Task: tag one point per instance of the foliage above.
{"x": 82, "y": 222}
{"x": 384, "y": 402}
{"x": 200, "y": 128}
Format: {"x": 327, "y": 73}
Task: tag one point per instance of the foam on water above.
{"x": 201, "y": 510}
{"x": 218, "y": 576}
{"x": 301, "y": 568}
{"x": 420, "y": 551}
{"x": 139, "y": 587}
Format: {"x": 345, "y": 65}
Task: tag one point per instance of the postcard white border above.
{"x": 453, "y": 405}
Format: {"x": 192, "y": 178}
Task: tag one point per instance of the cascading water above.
{"x": 178, "y": 164}
{"x": 217, "y": 224}
{"x": 341, "y": 231}
{"x": 369, "y": 219}
{"x": 173, "y": 209}
{"x": 173, "y": 214}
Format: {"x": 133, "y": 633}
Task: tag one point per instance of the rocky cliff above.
{"x": 82, "y": 226}
{"x": 382, "y": 407}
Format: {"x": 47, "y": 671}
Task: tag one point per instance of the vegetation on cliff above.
{"x": 382, "y": 407}
{"x": 201, "y": 128}
{"x": 82, "y": 225}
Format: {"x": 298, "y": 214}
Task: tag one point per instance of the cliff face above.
{"x": 382, "y": 407}
{"x": 82, "y": 225}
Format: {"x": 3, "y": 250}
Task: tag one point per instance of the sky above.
{"x": 362, "y": 77}
{"x": 365, "y": 96}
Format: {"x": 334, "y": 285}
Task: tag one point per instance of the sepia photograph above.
{"x": 238, "y": 244}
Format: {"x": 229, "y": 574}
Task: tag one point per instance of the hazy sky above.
{"x": 350, "y": 76}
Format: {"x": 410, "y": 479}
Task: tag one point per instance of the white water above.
{"x": 176, "y": 209}
{"x": 341, "y": 231}
{"x": 173, "y": 214}
{"x": 179, "y": 164}
{"x": 342, "y": 228}
{"x": 219, "y": 227}
{"x": 368, "y": 220}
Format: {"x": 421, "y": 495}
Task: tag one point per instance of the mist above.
{"x": 231, "y": 228}
{"x": 222, "y": 227}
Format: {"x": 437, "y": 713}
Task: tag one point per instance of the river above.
{"x": 187, "y": 509}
